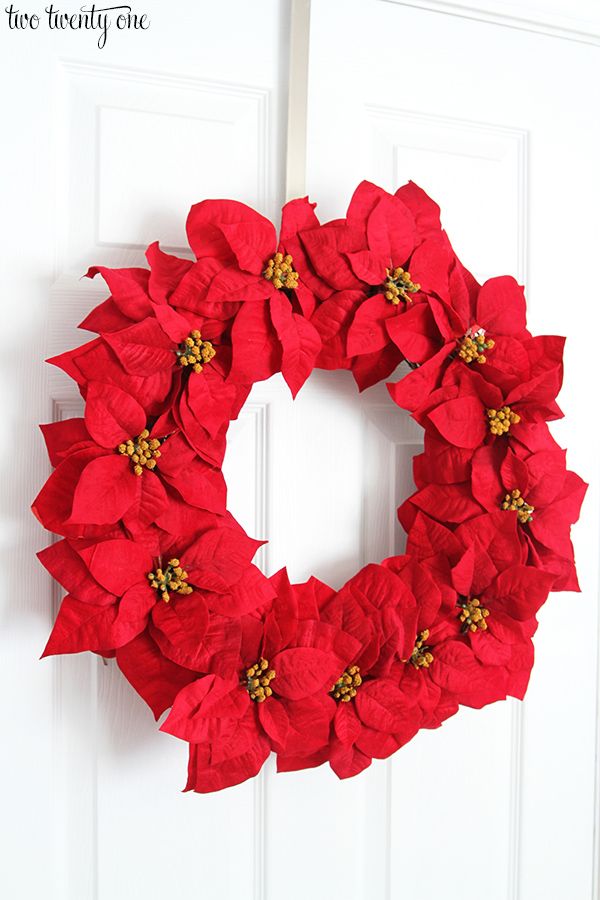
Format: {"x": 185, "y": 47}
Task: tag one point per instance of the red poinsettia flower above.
{"x": 469, "y": 411}
{"x": 435, "y": 602}
{"x": 278, "y": 700}
{"x": 190, "y": 603}
{"x": 372, "y": 716}
{"x": 454, "y": 483}
{"x": 498, "y": 597}
{"x": 170, "y": 280}
{"x": 111, "y": 468}
{"x": 485, "y": 327}
{"x": 169, "y": 364}
{"x": 375, "y": 269}
{"x": 271, "y": 331}
{"x": 498, "y": 619}
{"x": 544, "y": 496}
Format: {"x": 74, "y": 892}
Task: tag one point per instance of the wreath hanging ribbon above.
{"x": 158, "y": 573}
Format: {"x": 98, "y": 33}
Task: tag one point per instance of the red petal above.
{"x": 83, "y": 626}
{"x": 382, "y": 706}
{"x": 310, "y": 724}
{"x": 411, "y": 392}
{"x": 414, "y": 333}
{"x": 423, "y": 208}
{"x": 391, "y": 230}
{"x": 67, "y": 567}
{"x": 229, "y": 551}
{"x": 302, "y": 671}
{"x": 206, "y": 237}
{"x": 129, "y": 289}
{"x": 256, "y": 350}
{"x": 111, "y": 415}
{"x": 229, "y": 772}
{"x": 297, "y": 215}
{"x": 300, "y": 342}
{"x": 156, "y": 679}
{"x": 274, "y": 720}
{"x": 65, "y": 437}
{"x": 347, "y": 761}
{"x": 166, "y": 271}
{"x": 143, "y": 349}
{"x": 369, "y": 266}
{"x": 447, "y": 503}
{"x": 336, "y": 312}
{"x": 107, "y": 488}
{"x": 367, "y": 333}
{"x": 117, "y": 565}
{"x": 346, "y": 723}
{"x": 522, "y": 590}
{"x": 371, "y": 368}
{"x": 501, "y": 306}
{"x": 253, "y": 243}
{"x": 461, "y": 421}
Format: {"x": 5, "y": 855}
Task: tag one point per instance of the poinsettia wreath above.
{"x": 158, "y": 573}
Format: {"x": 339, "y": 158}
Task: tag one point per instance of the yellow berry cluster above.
{"x": 473, "y": 615}
{"x": 195, "y": 352}
{"x": 172, "y": 580}
{"x": 143, "y": 451}
{"x": 347, "y": 684}
{"x": 280, "y": 272}
{"x": 515, "y": 501}
{"x": 500, "y": 420}
{"x": 258, "y": 680}
{"x": 473, "y": 346}
{"x": 398, "y": 285}
{"x": 421, "y": 657}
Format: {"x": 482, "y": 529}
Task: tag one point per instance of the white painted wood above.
{"x": 577, "y": 20}
{"x": 338, "y": 465}
{"x": 102, "y": 152}
{"x": 107, "y": 150}
{"x": 498, "y": 804}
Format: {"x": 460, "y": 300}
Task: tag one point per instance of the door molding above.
{"x": 582, "y": 24}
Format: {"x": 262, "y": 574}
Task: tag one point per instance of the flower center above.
{"x": 398, "y": 285}
{"x": 258, "y": 680}
{"x": 473, "y": 346}
{"x": 500, "y": 420}
{"x": 347, "y": 684}
{"x": 195, "y": 352}
{"x": 173, "y": 579}
{"x": 472, "y": 615}
{"x": 515, "y": 501}
{"x": 280, "y": 272}
{"x": 142, "y": 451}
{"x": 421, "y": 657}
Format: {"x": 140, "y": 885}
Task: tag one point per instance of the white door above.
{"x": 105, "y": 152}
{"x": 489, "y": 106}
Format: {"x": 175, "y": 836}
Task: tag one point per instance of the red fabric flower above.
{"x": 191, "y": 603}
{"x": 468, "y": 411}
{"x": 482, "y": 327}
{"x": 278, "y": 698}
{"x": 372, "y": 716}
{"x": 376, "y": 268}
{"x": 536, "y": 487}
{"x": 158, "y": 573}
{"x": 545, "y": 497}
{"x": 498, "y": 597}
{"x": 111, "y": 469}
{"x": 271, "y": 331}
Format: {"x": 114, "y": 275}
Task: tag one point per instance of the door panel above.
{"x": 491, "y": 805}
{"x": 107, "y": 151}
